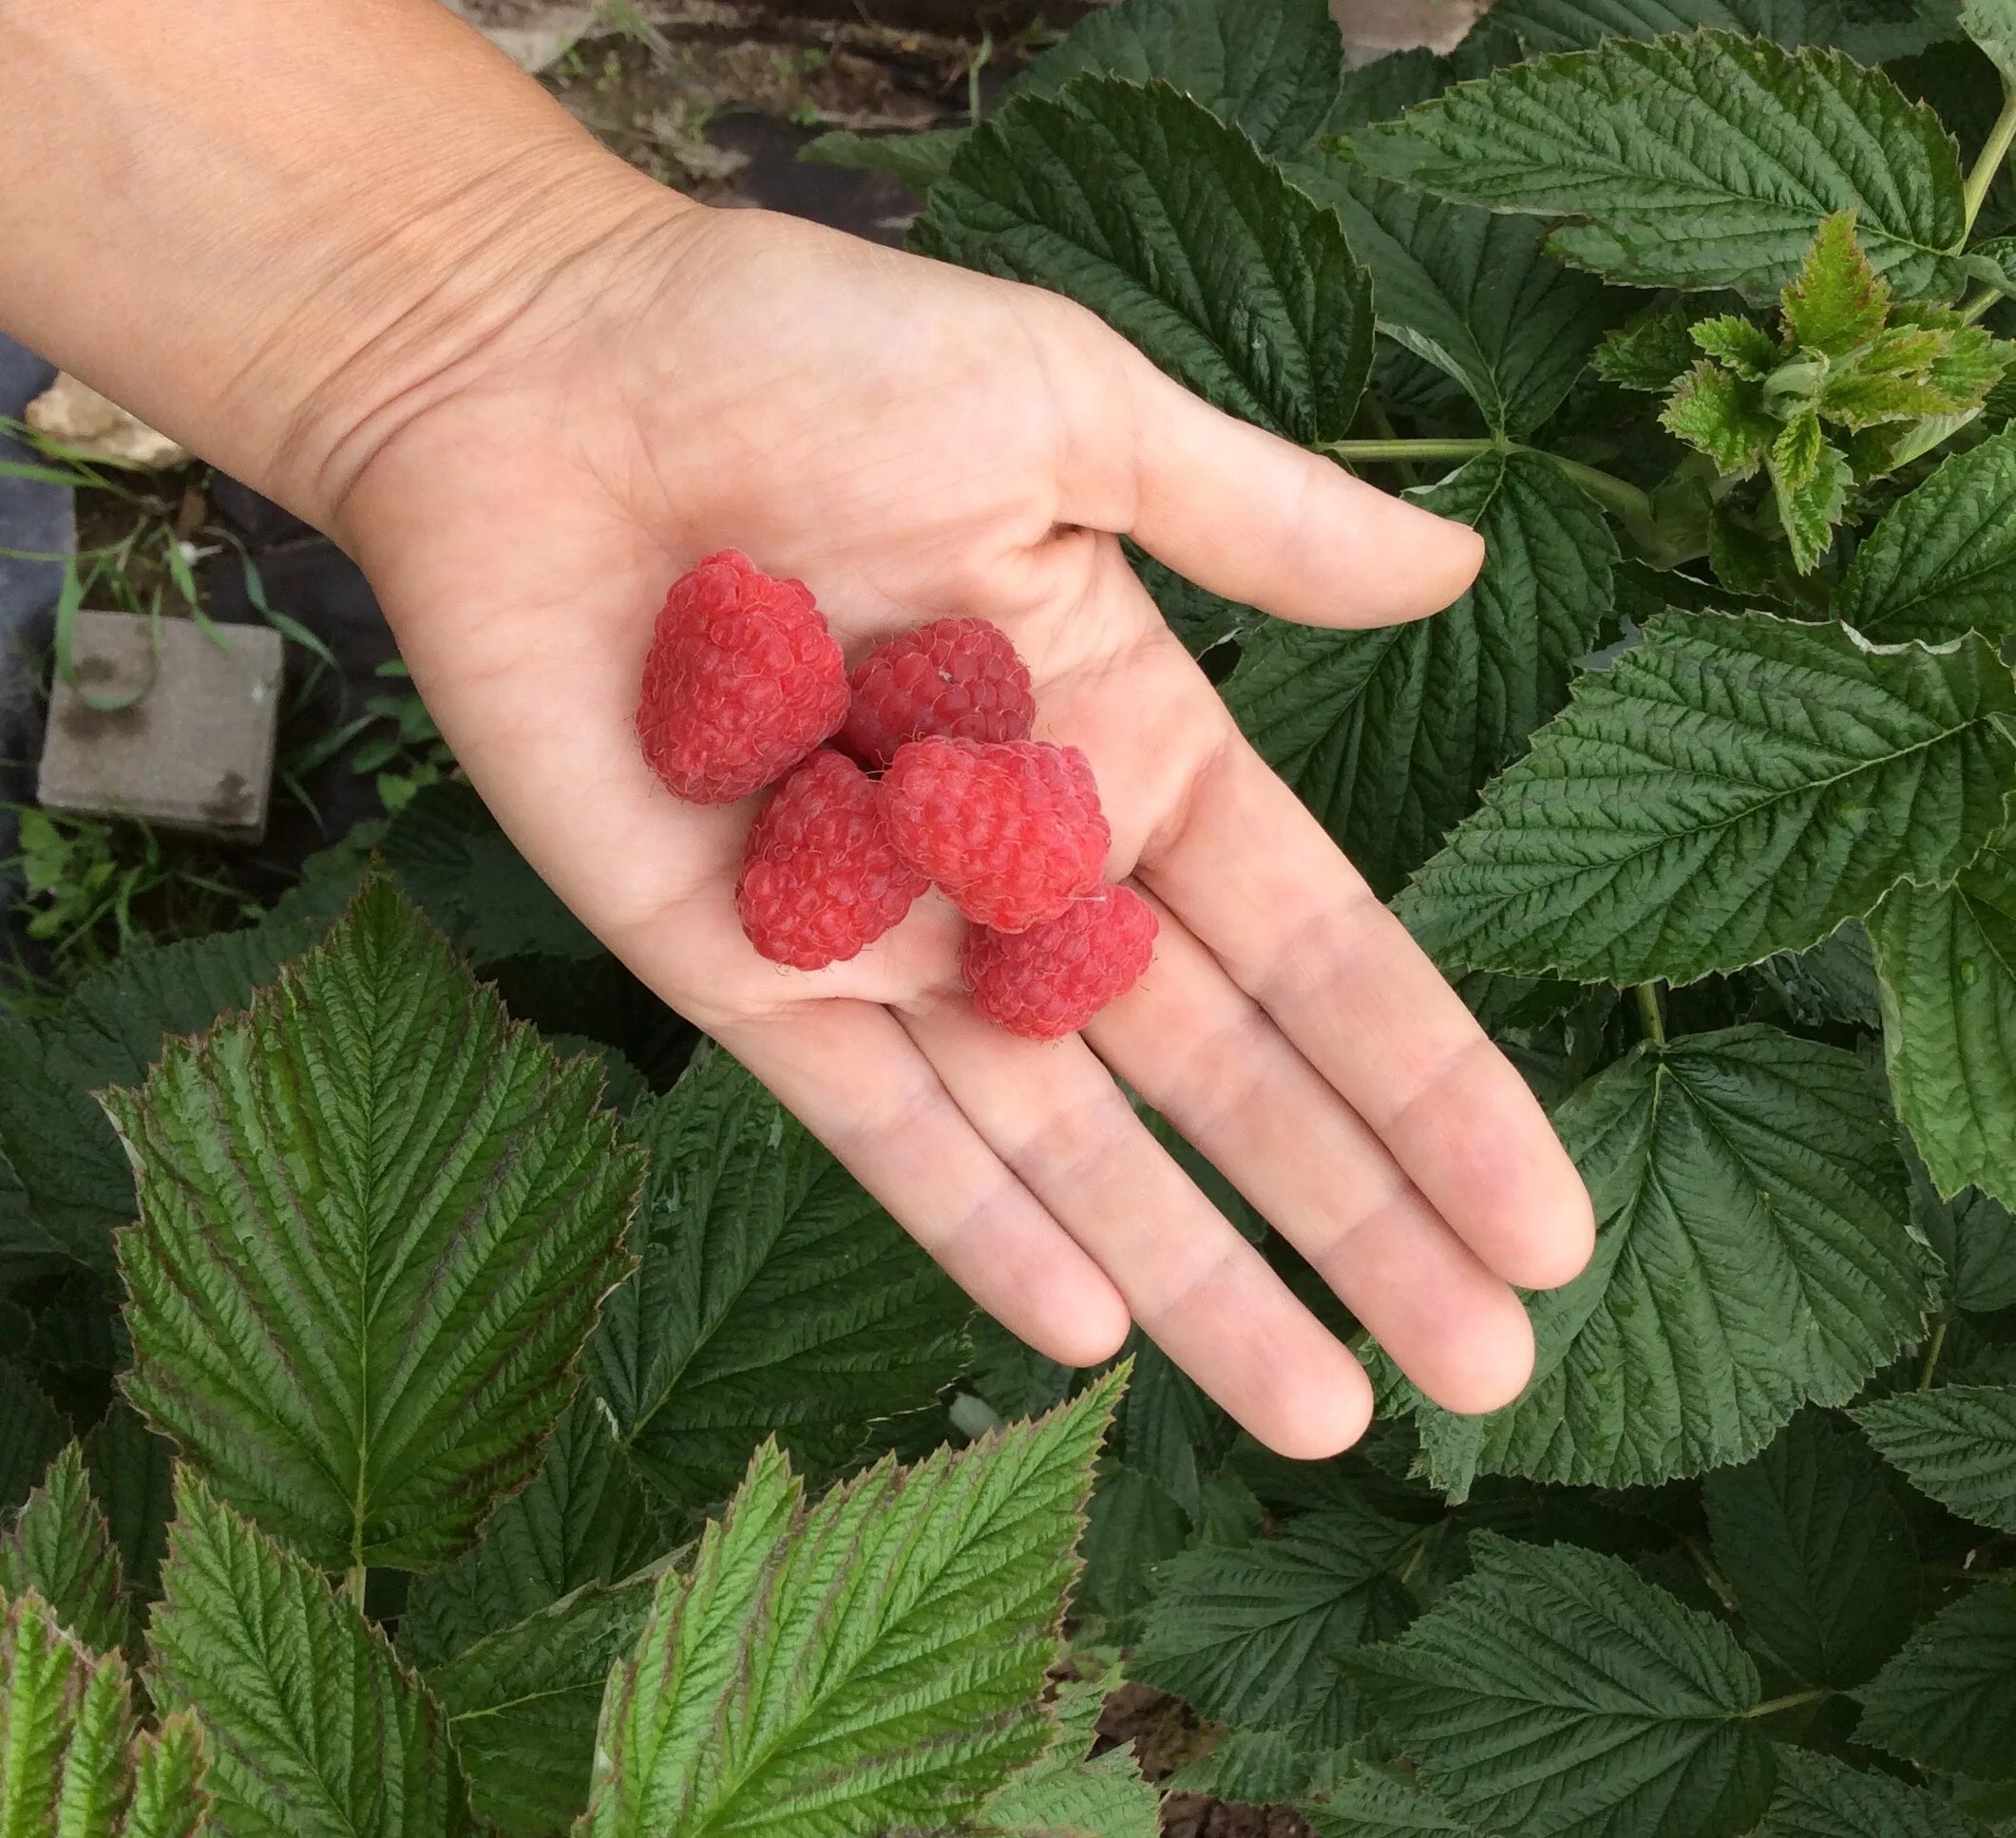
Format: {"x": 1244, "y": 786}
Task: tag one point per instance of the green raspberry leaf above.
{"x": 1472, "y": 293}
{"x": 61, "y": 1548}
{"x": 1838, "y": 301}
{"x": 1651, "y": 351}
{"x": 1374, "y": 1803}
{"x": 1762, "y": 1165}
{"x": 582, "y": 1520}
{"x": 1870, "y": 32}
{"x": 1910, "y": 372}
{"x": 1071, "y": 1793}
{"x": 1818, "y": 1553}
{"x": 31, "y": 1436}
{"x": 1975, "y": 1238}
{"x": 1698, "y": 162}
{"x": 1809, "y": 485}
{"x": 319, "y": 1732}
{"x": 1948, "y": 1701}
{"x": 133, "y": 1476}
{"x": 1991, "y": 24}
{"x": 1821, "y": 1797}
{"x": 400, "y": 1213}
{"x": 1722, "y": 416}
{"x": 1737, "y": 344}
{"x": 1239, "y": 286}
{"x": 1957, "y": 1444}
{"x": 1257, "y": 1637}
{"x": 1387, "y": 735}
{"x": 773, "y": 1296}
{"x": 868, "y": 1662}
{"x": 1552, "y": 1691}
{"x": 1728, "y": 788}
{"x": 1945, "y": 957}
{"x": 1942, "y": 558}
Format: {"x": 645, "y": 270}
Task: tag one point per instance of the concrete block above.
{"x": 194, "y": 748}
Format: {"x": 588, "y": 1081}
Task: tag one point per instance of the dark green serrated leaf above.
{"x": 1387, "y": 735}
{"x": 1957, "y": 1443}
{"x": 1949, "y": 1699}
{"x": 1753, "y": 1251}
{"x": 376, "y": 1219}
{"x": 1869, "y": 32}
{"x": 1553, "y": 1691}
{"x": 1991, "y": 24}
{"x": 1942, "y": 558}
{"x": 133, "y": 1476}
{"x": 1131, "y": 1524}
{"x": 1833, "y": 980}
{"x": 318, "y": 1731}
{"x": 1474, "y": 294}
{"x": 1731, "y": 787}
{"x": 32, "y": 1435}
{"x": 1650, "y": 351}
{"x": 1377, "y": 1804}
{"x": 773, "y": 1296}
{"x": 1142, "y": 205}
{"x": 582, "y": 1520}
{"x": 1700, "y": 161}
{"x": 870, "y": 1662}
{"x": 1821, "y": 1797}
{"x": 1946, "y": 962}
{"x": 1975, "y": 1238}
{"x": 1256, "y": 1637}
{"x": 1819, "y": 1555}
{"x": 61, "y": 1548}
{"x": 522, "y": 1704}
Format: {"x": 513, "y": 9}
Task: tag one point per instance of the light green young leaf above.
{"x": 1736, "y": 343}
{"x": 582, "y": 1520}
{"x": 772, "y": 1297}
{"x": 1698, "y": 161}
{"x": 1256, "y": 1637}
{"x": 871, "y": 1661}
{"x": 318, "y": 1731}
{"x": 1957, "y": 1443}
{"x": 31, "y": 1436}
{"x": 522, "y": 1705}
{"x": 1472, "y": 293}
{"x": 1821, "y": 1797}
{"x": 1239, "y": 285}
{"x": 1722, "y": 416}
{"x": 1943, "y": 559}
{"x": 1818, "y": 1553}
{"x": 1809, "y": 485}
{"x": 1069, "y": 1793}
{"x": 1730, "y": 788}
{"x": 1753, "y": 1251}
{"x": 1948, "y": 1701}
{"x": 376, "y": 1219}
{"x": 1373, "y": 1803}
{"x": 1916, "y": 375}
{"x": 73, "y": 1763}
{"x": 1838, "y": 301}
{"x": 61, "y": 1548}
{"x": 1553, "y": 1691}
{"x": 1387, "y": 735}
{"x": 1991, "y": 24}
{"x": 1651, "y": 351}
{"x": 1946, "y": 962}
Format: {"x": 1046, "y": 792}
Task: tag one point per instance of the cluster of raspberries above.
{"x": 934, "y": 778}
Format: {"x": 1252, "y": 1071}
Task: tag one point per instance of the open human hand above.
{"x": 915, "y": 441}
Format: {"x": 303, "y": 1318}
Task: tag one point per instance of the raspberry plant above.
{"x": 463, "y": 1435}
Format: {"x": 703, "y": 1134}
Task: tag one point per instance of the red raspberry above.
{"x": 959, "y": 678}
{"x": 820, "y": 880}
{"x": 1012, "y": 830}
{"x": 743, "y": 680}
{"x": 1050, "y": 981}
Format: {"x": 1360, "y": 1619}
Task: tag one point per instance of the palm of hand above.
{"x": 915, "y": 441}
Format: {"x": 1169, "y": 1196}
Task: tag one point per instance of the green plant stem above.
{"x": 353, "y": 1585}
{"x": 1614, "y": 494}
{"x": 1930, "y": 1362}
{"x": 1402, "y": 450}
{"x": 1375, "y": 412}
{"x": 1709, "y": 1574}
{"x": 1650, "y": 1013}
{"x": 1771, "y": 1706}
{"x": 1972, "y": 310}
{"x": 1993, "y": 151}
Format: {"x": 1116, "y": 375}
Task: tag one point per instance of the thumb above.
{"x": 1255, "y": 517}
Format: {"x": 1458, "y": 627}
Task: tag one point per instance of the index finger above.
{"x": 1298, "y": 928}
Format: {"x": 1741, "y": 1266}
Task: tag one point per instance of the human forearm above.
{"x": 265, "y": 228}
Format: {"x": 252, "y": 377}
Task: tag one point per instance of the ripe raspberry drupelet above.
{"x": 1050, "y": 981}
{"x": 742, "y": 681}
{"x": 958, "y": 679}
{"x": 1012, "y": 830}
{"x": 820, "y": 878}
